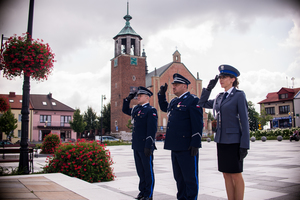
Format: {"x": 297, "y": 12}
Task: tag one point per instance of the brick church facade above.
{"x": 129, "y": 70}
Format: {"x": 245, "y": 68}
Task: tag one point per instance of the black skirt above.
{"x": 228, "y": 158}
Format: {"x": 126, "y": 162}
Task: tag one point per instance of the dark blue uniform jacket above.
{"x": 144, "y": 125}
{"x": 185, "y": 122}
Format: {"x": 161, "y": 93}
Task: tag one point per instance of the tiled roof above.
{"x": 15, "y": 101}
{"x": 37, "y": 102}
{"x": 274, "y": 96}
{"x": 46, "y": 102}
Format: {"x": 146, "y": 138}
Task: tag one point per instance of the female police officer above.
{"x": 232, "y": 136}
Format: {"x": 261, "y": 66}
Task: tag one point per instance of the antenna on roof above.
{"x": 292, "y": 81}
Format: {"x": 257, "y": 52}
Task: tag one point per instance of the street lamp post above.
{"x": 24, "y": 162}
{"x": 102, "y": 97}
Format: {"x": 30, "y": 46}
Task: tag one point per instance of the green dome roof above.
{"x": 127, "y": 30}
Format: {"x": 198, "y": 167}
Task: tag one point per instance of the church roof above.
{"x": 157, "y": 72}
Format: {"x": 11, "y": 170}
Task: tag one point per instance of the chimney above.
{"x": 12, "y": 94}
{"x": 50, "y": 95}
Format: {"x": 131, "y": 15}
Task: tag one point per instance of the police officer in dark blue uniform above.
{"x": 183, "y": 136}
{"x": 144, "y": 120}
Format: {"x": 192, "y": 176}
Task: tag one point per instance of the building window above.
{"x": 11, "y": 101}
{"x": 45, "y": 119}
{"x": 64, "y": 120}
{"x": 116, "y": 104}
{"x": 19, "y": 133}
{"x": 116, "y": 85}
{"x": 284, "y": 109}
{"x": 53, "y": 103}
{"x": 270, "y": 111}
{"x": 283, "y": 96}
{"x": 116, "y": 123}
{"x": 44, "y": 103}
{"x": 20, "y": 118}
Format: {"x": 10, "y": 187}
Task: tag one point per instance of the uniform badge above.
{"x": 222, "y": 67}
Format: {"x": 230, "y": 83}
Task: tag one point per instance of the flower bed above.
{"x": 273, "y": 133}
{"x": 88, "y": 161}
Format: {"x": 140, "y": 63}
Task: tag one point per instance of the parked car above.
{"x": 160, "y": 137}
{"x": 5, "y": 142}
{"x": 107, "y": 138}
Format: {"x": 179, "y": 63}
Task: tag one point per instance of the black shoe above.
{"x": 139, "y": 196}
{"x": 146, "y": 198}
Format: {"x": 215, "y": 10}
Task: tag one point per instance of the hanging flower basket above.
{"x": 22, "y": 55}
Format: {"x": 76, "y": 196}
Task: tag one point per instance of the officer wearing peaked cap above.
{"x": 144, "y": 120}
{"x": 230, "y": 108}
{"x": 183, "y": 135}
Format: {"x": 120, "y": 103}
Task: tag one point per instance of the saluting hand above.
{"x": 131, "y": 95}
{"x": 212, "y": 83}
{"x": 163, "y": 89}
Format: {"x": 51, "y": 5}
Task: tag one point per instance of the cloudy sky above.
{"x": 261, "y": 38}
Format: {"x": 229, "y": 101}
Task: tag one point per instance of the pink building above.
{"x": 47, "y": 115}
{"x": 50, "y": 116}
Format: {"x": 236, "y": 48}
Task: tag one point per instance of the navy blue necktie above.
{"x": 224, "y": 96}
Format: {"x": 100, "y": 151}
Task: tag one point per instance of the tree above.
{"x": 8, "y": 123}
{"x": 78, "y": 125}
{"x": 252, "y": 117}
{"x": 106, "y": 118}
{"x": 129, "y": 125}
{"x": 90, "y": 117}
{"x": 210, "y": 116}
{"x": 264, "y": 117}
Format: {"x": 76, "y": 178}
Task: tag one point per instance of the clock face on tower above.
{"x": 116, "y": 62}
{"x": 133, "y": 61}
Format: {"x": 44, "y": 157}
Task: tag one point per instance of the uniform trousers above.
{"x": 185, "y": 171}
{"x": 144, "y": 168}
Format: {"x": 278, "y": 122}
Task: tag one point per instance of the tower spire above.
{"x": 127, "y": 17}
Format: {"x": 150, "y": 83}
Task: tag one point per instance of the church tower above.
{"x": 128, "y": 70}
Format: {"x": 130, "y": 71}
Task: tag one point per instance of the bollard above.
{"x": 253, "y": 139}
{"x": 263, "y": 138}
{"x": 279, "y": 138}
{"x": 208, "y": 139}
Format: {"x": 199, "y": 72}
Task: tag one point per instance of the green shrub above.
{"x": 88, "y": 161}
{"x": 38, "y": 146}
{"x": 50, "y": 143}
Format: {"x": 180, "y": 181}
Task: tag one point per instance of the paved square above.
{"x": 271, "y": 171}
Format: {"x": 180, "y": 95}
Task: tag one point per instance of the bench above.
{"x": 16, "y": 151}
